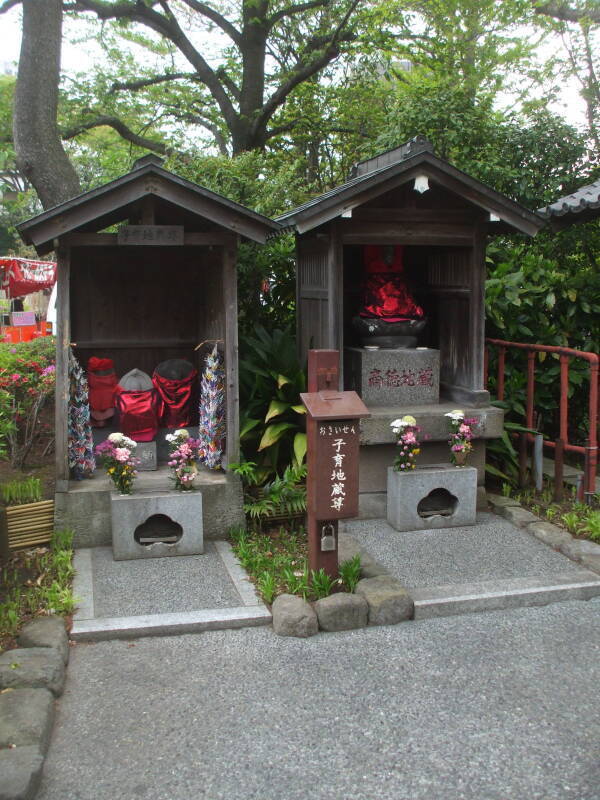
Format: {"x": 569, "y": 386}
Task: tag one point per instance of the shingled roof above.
{"x": 580, "y": 206}
{"x": 377, "y": 175}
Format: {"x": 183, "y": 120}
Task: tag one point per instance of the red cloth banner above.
{"x": 138, "y": 413}
{"x": 20, "y": 276}
{"x": 179, "y": 399}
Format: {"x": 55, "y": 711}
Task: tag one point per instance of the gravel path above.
{"x": 496, "y": 706}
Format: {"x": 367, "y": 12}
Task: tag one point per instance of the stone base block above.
{"x": 156, "y": 525}
{"x": 393, "y": 377}
{"x": 431, "y": 497}
{"x": 85, "y": 507}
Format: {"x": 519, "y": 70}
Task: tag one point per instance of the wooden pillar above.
{"x": 231, "y": 351}
{"x": 477, "y": 310}
{"x": 63, "y": 340}
{"x": 335, "y": 295}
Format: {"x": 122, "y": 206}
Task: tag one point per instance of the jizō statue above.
{"x": 386, "y": 293}
{"x": 389, "y": 316}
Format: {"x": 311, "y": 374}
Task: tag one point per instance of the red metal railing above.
{"x": 590, "y": 450}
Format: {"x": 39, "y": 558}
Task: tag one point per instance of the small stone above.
{"x": 21, "y": 771}
{"x": 591, "y": 561}
{"x": 369, "y": 568}
{"x": 576, "y": 549}
{"x": 46, "y": 632}
{"x": 389, "y": 602}
{"x": 342, "y": 612}
{"x": 26, "y": 718}
{"x": 293, "y": 616}
{"x": 517, "y": 515}
{"x": 549, "y": 534}
{"x": 497, "y": 501}
{"x": 32, "y": 668}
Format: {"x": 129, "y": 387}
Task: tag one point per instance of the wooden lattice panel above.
{"x": 29, "y": 525}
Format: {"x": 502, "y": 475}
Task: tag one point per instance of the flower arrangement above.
{"x": 182, "y": 459}
{"x": 116, "y": 454}
{"x": 406, "y": 429}
{"x": 460, "y": 438}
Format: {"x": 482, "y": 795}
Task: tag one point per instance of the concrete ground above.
{"x": 493, "y": 549}
{"x": 160, "y": 585}
{"x": 494, "y": 706}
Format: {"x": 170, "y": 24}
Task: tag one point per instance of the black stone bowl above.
{"x": 374, "y": 331}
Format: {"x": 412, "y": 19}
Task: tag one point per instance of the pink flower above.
{"x": 122, "y": 454}
{"x": 464, "y": 428}
{"x": 15, "y": 376}
{"x": 409, "y": 438}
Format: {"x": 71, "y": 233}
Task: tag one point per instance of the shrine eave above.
{"x": 506, "y": 213}
{"x": 108, "y": 203}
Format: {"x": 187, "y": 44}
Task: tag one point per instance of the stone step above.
{"x": 206, "y": 619}
{"x": 448, "y": 600}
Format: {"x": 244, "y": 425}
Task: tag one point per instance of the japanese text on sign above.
{"x": 391, "y": 378}
{"x": 151, "y": 234}
{"x": 337, "y": 453}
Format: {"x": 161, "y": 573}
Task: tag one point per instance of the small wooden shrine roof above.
{"x": 380, "y": 174}
{"x": 112, "y": 202}
{"x": 580, "y": 206}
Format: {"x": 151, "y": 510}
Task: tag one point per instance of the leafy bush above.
{"x": 27, "y": 379}
{"x": 272, "y": 418}
{"x": 282, "y": 497}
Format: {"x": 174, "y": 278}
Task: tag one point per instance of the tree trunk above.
{"x": 40, "y": 154}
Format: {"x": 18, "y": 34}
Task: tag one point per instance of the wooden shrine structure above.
{"x": 146, "y": 272}
{"x": 442, "y": 217}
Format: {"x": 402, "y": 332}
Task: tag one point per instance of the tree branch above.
{"x": 566, "y": 13}
{"x": 295, "y": 9}
{"x": 303, "y": 71}
{"x": 122, "y": 129}
{"x": 8, "y": 4}
{"x": 217, "y": 18}
{"x": 167, "y": 26}
{"x": 142, "y": 83}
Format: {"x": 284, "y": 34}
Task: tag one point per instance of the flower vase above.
{"x": 460, "y": 459}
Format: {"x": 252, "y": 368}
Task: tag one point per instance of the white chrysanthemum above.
{"x": 127, "y": 442}
{"x": 115, "y": 438}
{"x": 170, "y": 437}
{"x": 182, "y": 433}
{"x": 396, "y": 423}
{"x": 455, "y": 415}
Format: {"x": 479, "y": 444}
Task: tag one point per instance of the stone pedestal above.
{"x": 153, "y": 525}
{"x": 393, "y": 377}
{"x": 439, "y": 496}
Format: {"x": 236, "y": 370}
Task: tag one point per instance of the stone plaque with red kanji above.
{"x": 394, "y": 377}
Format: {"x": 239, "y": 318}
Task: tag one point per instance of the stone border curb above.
{"x": 582, "y": 551}
{"x": 27, "y": 704}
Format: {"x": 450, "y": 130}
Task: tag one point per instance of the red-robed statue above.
{"x": 386, "y": 293}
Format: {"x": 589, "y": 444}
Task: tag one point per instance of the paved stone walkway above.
{"x": 494, "y": 706}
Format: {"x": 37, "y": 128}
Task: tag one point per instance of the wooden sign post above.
{"x": 332, "y": 428}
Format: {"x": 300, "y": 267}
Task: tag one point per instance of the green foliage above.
{"x": 47, "y": 590}
{"x": 571, "y": 521}
{"x": 350, "y": 572}
{"x": 322, "y": 584}
{"x": 267, "y": 586}
{"x": 592, "y": 526}
{"x": 272, "y": 419}
{"x": 284, "y": 496}
{"x": 27, "y": 379}
{"x": 20, "y": 492}
{"x": 546, "y": 291}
